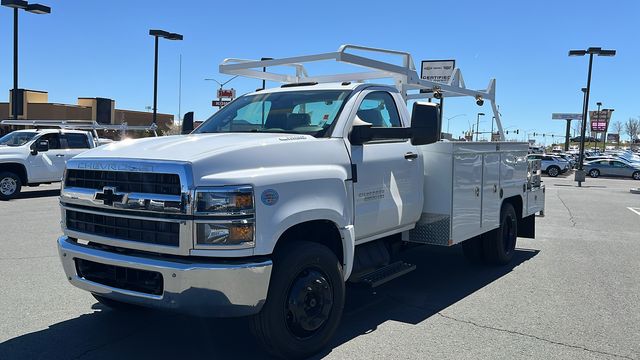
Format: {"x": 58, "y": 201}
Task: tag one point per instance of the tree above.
{"x": 632, "y": 127}
{"x": 617, "y": 126}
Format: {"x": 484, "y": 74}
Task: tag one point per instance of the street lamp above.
{"x": 453, "y": 117}
{"x": 478, "y": 124}
{"x": 591, "y": 51}
{"x": 159, "y": 34}
{"x": 32, "y": 8}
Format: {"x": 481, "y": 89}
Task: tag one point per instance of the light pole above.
{"x": 32, "y": 8}
{"x": 580, "y": 176}
{"x": 478, "y": 124}
{"x": 453, "y": 117}
{"x": 159, "y": 34}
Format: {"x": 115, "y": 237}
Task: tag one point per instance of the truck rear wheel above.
{"x": 305, "y": 301}
{"x": 500, "y": 244}
{"x": 10, "y": 185}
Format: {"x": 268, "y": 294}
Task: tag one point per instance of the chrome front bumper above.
{"x": 196, "y": 288}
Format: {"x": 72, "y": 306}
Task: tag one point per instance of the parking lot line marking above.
{"x": 635, "y": 210}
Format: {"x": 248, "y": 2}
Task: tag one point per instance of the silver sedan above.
{"x": 612, "y": 168}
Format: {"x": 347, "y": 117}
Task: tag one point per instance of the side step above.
{"x": 386, "y": 273}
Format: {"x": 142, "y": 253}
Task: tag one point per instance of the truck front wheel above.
{"x": 10, "y": 185}
{"x": 304, "y": 303}
{"x": 500, "y": 244}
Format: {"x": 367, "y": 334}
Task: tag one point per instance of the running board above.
{"x": 386, "y": 273}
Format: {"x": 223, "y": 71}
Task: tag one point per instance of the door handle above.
{"x": 410, "y": 156}
{"x": 60, "y": 155}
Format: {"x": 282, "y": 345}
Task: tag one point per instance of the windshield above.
{"x": 17, "y": 138}
{"x": 300, "y": 112}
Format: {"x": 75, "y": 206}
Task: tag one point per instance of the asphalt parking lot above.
{"x": 572, "y": 293}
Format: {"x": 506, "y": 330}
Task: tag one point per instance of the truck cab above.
{"x": 33, "y": 157}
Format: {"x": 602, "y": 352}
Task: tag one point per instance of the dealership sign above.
{"x": 566, "y": 116}
{"x": 600, "y": 120}
{"x": 226, "y": 93}
{"x": 439, "y": 71}
{"x": 615, "y": 138}
{"x": 220, "y": 103}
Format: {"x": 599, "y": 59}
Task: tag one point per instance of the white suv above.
{"x": 552, "y": 165}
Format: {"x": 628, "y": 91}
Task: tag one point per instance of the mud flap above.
{"x": 527, "y": 227}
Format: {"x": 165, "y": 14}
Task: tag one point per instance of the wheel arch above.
{"x": 325, "y": 232}
{"x": 16, "y": 168}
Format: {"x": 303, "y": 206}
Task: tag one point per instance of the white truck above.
{"x": 37, "y": 156}
{"x": 286, "y": 194}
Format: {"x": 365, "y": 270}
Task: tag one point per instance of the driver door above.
{"x": 47, "y": 166}
{"x": 387, "y": 193}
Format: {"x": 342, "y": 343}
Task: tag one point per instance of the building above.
{"x": 35, "y": 105}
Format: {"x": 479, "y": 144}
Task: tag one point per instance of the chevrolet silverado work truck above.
{"x": 286, "y": 194}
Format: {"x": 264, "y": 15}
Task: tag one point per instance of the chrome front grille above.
{"x": 131, "y": 229}
{"x": 134, "y": 204}
{"x": 127, "y": 182}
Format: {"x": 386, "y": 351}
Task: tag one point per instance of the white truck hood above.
{"x": 229, "y": 158}
{"x": 188, "y": 148}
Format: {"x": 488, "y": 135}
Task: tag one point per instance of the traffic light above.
{"x": 518, "y": 131}
{"x": 534, "y": 134}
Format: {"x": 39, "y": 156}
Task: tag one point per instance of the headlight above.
{"x": 232, "y": 234}
{"x": 214, "y": 230}
{"x": 225, "y": 200}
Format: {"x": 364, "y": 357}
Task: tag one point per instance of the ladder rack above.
{"x": 405, "y": 77}
{"x": 80, "y": 125}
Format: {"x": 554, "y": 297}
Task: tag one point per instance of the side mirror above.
{"x": 425, "y": 123}
{"x": 361, "y": 132}
{"x": 187, "y": 123}
{"x": 40, "y": 146}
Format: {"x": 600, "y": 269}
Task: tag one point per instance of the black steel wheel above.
{"x": 305, "y": 301}
{"x": 500, "y": 244}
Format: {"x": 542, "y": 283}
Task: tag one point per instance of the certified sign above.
{"x": 439, "y": 71}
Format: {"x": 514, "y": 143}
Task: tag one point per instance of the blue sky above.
{"x": 92, "y": 48}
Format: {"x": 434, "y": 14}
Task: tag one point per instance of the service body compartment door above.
{"x": 491, "y": 192}
{"x": 467, "y": 202}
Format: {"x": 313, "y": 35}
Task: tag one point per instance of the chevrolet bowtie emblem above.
{"x": 109, "y": 196}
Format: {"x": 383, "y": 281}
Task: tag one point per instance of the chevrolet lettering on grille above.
{"x": 109, "y": 196}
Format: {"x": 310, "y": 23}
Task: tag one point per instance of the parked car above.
{"x": 552, "y": 165}
{"x": 569, "y": 158}
{"x": 612, "y": 168}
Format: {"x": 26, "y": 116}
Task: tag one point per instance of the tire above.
{"x": 10, "y": 185}
{"x": 473, "y": 250}
{"x": 115, "y": 304}
{"x": 553, "y": 171}
{"x": 310, "y": 273}
{"x": 594, "y": 173}
{"x": 500, "y": 244}
{"x": 636, "y": 175}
